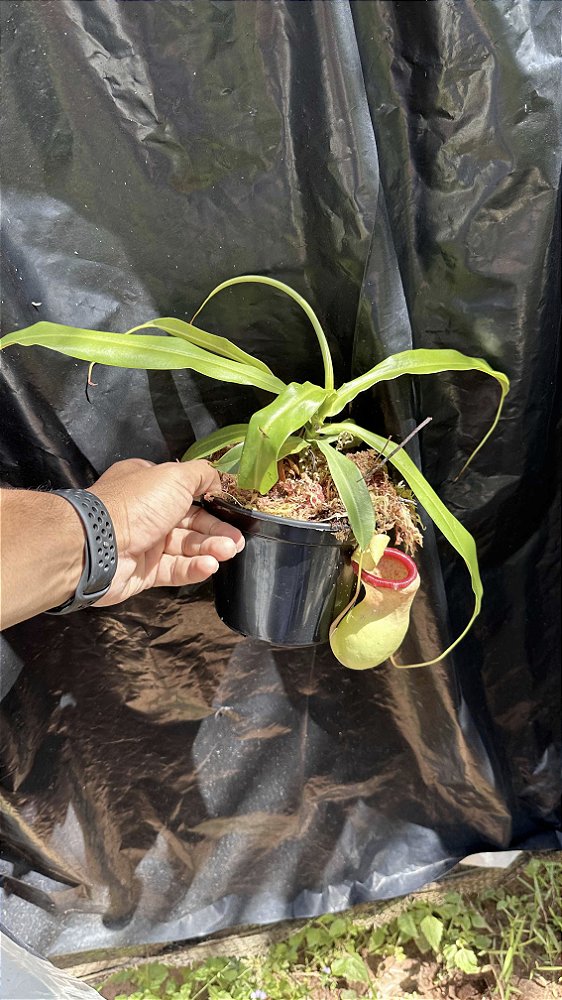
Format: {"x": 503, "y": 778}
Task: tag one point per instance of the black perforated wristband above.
{"x": 100, "y": 560}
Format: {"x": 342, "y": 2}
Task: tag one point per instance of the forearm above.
{"x": 42, "y": 553}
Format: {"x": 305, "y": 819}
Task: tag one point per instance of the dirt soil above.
{"x": 423, "y": 979}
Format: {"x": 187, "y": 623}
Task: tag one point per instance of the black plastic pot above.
{"x": 290, "y": 581}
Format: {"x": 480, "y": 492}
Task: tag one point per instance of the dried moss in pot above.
{"x": 306, "y": 491}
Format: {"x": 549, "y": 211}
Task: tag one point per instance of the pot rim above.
{"x": 260, "y": 515}
{"x": 379, "y": 581}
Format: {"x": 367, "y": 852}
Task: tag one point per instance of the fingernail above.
{"x": 241, "y": 544}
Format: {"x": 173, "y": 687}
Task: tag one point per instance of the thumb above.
{"x": 198, "y": 477}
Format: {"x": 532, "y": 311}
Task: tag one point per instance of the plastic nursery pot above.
{"x": 375, "y": 628}
{"x": 289, "y": 582}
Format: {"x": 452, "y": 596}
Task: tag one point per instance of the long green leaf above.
{"x": 352, "y": 489}
{"x": 134, "y": 351}
{"x": 419, "y": 362}
{"x": 461, "y": 540}
{"x": 216, "y": 441}
{"x": 257, "y": 279}
{"x": 269, "y": 429}
{"x": 208, "y": 341}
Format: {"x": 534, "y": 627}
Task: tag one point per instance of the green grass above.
{"x": 500, "y": 936}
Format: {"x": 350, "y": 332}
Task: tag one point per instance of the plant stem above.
{"x": 412, "y": 434}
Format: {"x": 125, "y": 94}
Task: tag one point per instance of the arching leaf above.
{"x": 260, "y": 279}
{"x": 419, "y": 362}
{"x": 208, "y": 341}
{"x": 139, "y": 351}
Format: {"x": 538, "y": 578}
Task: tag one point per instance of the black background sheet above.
{"x": 399, "y": 164}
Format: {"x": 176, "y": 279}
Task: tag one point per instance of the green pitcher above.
{"x": 374, "y": 629}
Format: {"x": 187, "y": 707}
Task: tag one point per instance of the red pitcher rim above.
{"x": 379, "y": 581}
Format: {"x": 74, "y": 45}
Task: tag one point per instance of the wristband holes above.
{"x": 98, "y": 527}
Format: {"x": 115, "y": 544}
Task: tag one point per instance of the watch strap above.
{"x": 100, "y": 556}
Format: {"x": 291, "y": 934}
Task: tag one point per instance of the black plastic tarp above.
{"x": 399, "y": 164}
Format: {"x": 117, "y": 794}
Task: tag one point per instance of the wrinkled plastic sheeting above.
{"x": 399, "y": 164}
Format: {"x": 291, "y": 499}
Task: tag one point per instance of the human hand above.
{"x": 162, "y": 539}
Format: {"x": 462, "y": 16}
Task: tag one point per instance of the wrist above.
{"x": 115, "y": 508}
{"x": 101, "y": 558}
